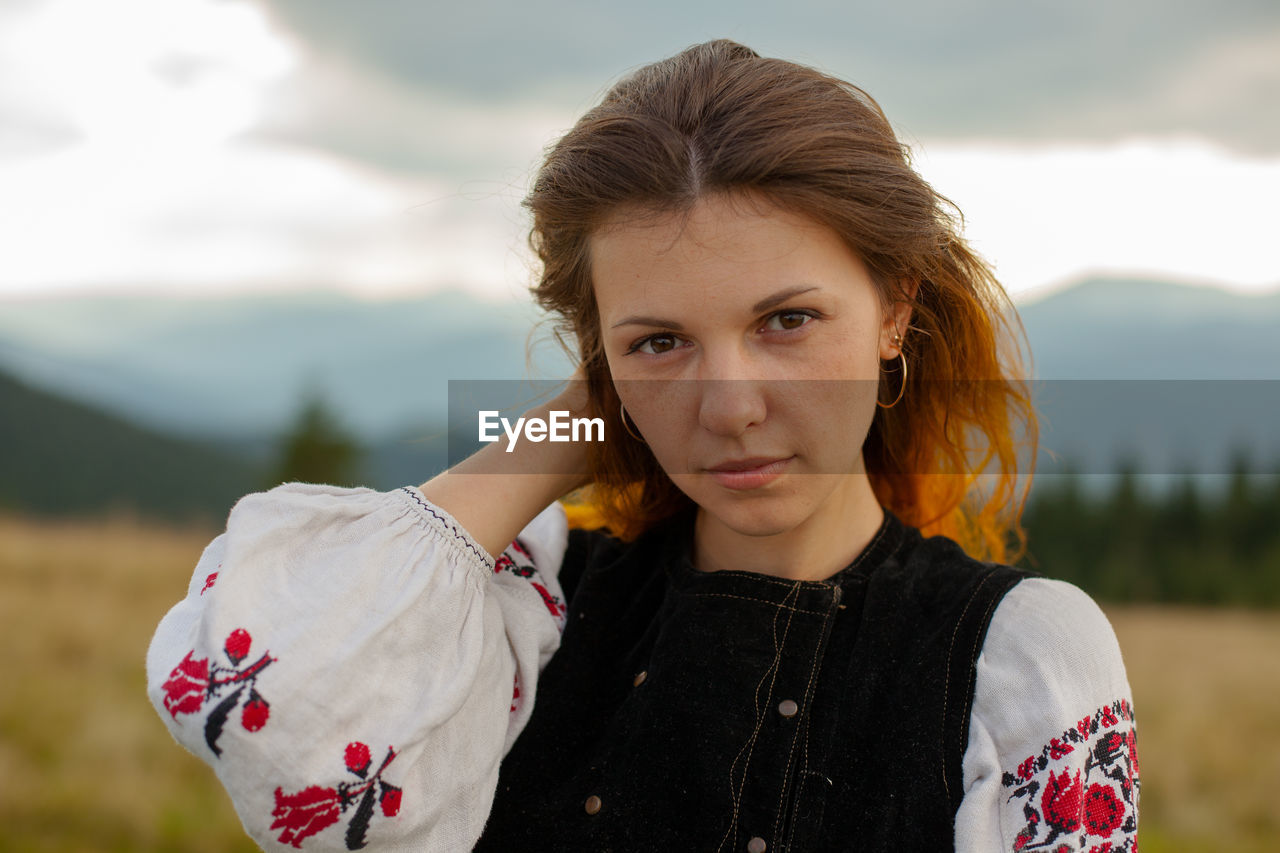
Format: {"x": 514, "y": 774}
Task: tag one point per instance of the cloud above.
{"x": 368, "y": 116}
{"x": 124, "y": 163}
{"x": 1178, "y": 209}
{"x": 139, "y": 72}
{"x": 992, "y": 69}
{"x": 385, "y": 147}
{"x": 1220, "y": 90}
{"x": 27, "y": 133}
{"x": 248, "y": 216}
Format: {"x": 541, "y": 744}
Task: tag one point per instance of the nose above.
{"x": 729, "y": 399}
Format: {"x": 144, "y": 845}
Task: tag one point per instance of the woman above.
{"x": 738, "y": 633}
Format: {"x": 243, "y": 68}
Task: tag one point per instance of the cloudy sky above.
{"x": 382, "y": 146}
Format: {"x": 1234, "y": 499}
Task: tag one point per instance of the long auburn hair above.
{"x": 718, "y": 117}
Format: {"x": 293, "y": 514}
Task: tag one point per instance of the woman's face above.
{"x": 744, "y": 337}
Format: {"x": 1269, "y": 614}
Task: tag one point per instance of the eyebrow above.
{"x": 759, "y": 308}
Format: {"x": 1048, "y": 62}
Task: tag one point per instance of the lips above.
{"x": 746, "y": 464}
{"x": 750, "y": 473}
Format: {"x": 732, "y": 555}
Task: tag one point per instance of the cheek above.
{"x": 855, "y": 354}
{"x": 640, "y": 396}
{"x": 662, "y": 411}
{"x": 860, "y": 411}
{"x": 830, "y": 423}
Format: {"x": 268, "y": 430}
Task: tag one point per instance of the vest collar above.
{"x": 673, "y": 542}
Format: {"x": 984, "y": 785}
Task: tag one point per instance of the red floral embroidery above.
{"x": 554, "y": 605}
{"x": 303, "y": 814}
{"x": 1095, "y": 797}
{"x": 194, "y": 680}
{"x": 515, "y": 693}
{"x": 208, "y": 583}
{"x": 1061, "y": 803}
{"x": 1131, "y": 744}
{"x": 357, "y": 758}
{"x": 237, "y": 645}
{"x": 517, "y": 560}
{"x": 1103, "y": 811}
{"x": 253, "y": 715}
{"x": 184, "y": 691}
{"x": 391, "y": 801}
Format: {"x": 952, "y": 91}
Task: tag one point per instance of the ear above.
{"x": 896, "y": 320}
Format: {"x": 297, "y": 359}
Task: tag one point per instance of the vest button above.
{"x": 592, "y": 805}
{"x": 787, "y": 708}
{"x": 640, "y": 677}
{"x": 756, "y": 845}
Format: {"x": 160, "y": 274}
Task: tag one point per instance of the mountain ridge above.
{"x": 234, "y": 371}
{"x": 63, "y": 456}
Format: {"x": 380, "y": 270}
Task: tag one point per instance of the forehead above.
{"x": 722, "y": 248}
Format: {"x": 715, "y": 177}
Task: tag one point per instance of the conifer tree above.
{"x": 317, "y": 448}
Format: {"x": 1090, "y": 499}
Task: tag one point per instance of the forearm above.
{"x": 493, "y": 493}
{"x": 330, "y": 627}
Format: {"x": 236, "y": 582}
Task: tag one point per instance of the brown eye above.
{"x": 654, "y": 345}
{"x": 789, "y": 320}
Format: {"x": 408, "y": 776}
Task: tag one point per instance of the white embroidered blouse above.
{"x": 354, "y": 669}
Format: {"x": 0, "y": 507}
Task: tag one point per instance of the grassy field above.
{"x": 86, "y": 764}
{"x": 1206, "y": 686}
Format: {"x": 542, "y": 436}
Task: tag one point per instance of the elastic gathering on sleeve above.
{"x": 1052, "y": 757}
{"x": 528, "y": 596}
{"x": 345, "y": 660}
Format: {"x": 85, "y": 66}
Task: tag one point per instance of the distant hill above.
{"x": 64, "y": 457}
{"x": 240, "y": 366}
{"x": 1120, "y": 328}
{"x": 1171, "y": 375}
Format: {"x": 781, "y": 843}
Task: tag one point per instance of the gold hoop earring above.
{"x": 897, "y": 339}
{"x": 622, "y": 409}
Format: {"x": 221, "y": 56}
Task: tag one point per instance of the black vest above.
{"x": 723, "y": 711}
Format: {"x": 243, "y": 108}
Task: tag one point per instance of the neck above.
{"x": 815, "y": 549}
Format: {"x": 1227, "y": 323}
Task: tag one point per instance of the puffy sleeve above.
{"x": 1052, "y": 757}
{"x": 354, "y": 666}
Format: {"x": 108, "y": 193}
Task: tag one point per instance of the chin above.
{"x": 757, "y": 515}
